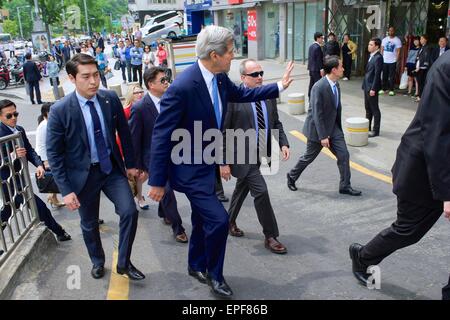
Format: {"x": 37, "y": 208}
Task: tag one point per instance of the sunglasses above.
{"x": 255, "y": 74}
{"x": 164, "y": 80}
{"x": 10, "y": 115}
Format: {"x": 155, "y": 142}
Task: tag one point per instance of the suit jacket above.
{"x": 323, "y": 116}
{"x": 315, "y": 58}
{"x": 32, "y": 156}
{"x": 425, "y": 55}
{"x": 241, "y": 116}
{"x": 187, "y": 101}
{"x": 436, "y": 52}
{"x": 31, "y": 72}
{"x": 141, "y": 122}
{"x": 372, "y": 77}
{"x": 421, "y": 172}
{"x": 332, "y": 48}
{"x": 68, "y": 149}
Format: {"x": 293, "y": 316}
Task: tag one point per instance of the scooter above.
{"x": 11, "y": 76}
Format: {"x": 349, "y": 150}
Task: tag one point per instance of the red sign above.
{"x": 251, "y": 25}
{"x": 235, "y": 1}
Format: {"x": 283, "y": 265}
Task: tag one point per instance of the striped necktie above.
{"x": 261, "y": 139}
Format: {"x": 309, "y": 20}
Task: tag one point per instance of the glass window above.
{"x": 272, "y": 34}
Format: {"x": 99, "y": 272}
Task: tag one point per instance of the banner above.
{"x": 251, "y": 25}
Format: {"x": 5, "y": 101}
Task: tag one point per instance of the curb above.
{"x": 30, "y": 254}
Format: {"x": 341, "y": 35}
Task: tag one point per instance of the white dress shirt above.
{"x": 333, "y": 84}
{"x": 156, "y": 101}
{"x": 41, "y": 140}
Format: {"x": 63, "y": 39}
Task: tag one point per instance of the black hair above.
{"x": 425, "y": 36}
{"x": 377, "y": 42}
{"x": 332, "y": 34}
{"x": 6, "y": 103}
{"x": 45, "y": 109}
{"x": 28, "y": 56}
{"x": 151, "y": 73}
{"x": 329, "y": 63}
{"x": 79, "y": 58}
{"x": 317, "y": 35}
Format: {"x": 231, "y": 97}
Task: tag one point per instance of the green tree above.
{"x": 10, "y": 26}
{"x": 50, "y": 12}
{"x": 25, "y": 15}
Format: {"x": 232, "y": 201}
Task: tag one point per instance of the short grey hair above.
{"x": 213, "y": 38}
{"x": 243, "y": 64}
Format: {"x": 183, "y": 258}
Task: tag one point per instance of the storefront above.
{"x": 198, "y": 14}
{"x": 272, "y": 30}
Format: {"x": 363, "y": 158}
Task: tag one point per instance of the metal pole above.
{"x": 87, "y": 18}
{"x": 111, "y": 19}
{"x": 20, "y": 22}
{"x": 64, "y": 18}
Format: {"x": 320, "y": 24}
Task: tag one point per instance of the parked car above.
{"x": 168, "y": 18}
{"x": 161, "y": 31}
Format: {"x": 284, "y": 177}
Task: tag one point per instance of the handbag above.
{"x": 109, "y": 75}
{"x": 404, "y": 81}
{"x": 47, "y": 184}
{"x": 117, "y": 65}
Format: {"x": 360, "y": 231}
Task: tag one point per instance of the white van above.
{"x": 168, "y": 18}
{"x": 161, "y": 31}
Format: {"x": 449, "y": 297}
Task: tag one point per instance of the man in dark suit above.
{"x": 315, "y": 61}
{"x": 441, "y": 49}
{"x": 85, "y": 160}
{"x": 323, "y": 127}
{"x": 421, "y": 176}
{"x": 32, "y": 75}
{"x": 8, "y": 126}
{"x": 371, "y": 85}
{"x": 260, "y": 117}
{"x": 194, "y": 103}
{"x": 331, "y": 48}
{"x": 142, "y": 121}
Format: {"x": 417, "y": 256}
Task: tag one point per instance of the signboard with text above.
{"x": 251, "y": 25}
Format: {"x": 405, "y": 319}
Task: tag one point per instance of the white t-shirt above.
{"x": 390, "y": 46}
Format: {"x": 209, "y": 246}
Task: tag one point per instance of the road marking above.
{"x": 119, "y": 286}
{"x": 353, "y": 165}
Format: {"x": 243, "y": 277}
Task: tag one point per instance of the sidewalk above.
{"x": 396, "y": 113}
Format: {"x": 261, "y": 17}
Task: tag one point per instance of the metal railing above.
{"x": 17, "y": 203}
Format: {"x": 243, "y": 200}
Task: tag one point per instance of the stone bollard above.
{"x": 61, "y": 91}
{"x": 296, "y": 103}
{"x": 357, "y": 131}
{"x": 117, "y": 88}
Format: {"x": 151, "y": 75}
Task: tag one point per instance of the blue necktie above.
{"x": 102, "y": 151}
{"x": 216, "y": 102}
{"x": 335, "y": 92}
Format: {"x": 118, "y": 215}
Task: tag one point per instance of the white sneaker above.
{"x": 345, "y": 79}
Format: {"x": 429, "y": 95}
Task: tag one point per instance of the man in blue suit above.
{"x": 85, "y": 159}
{"x": 198, "y": 99}
{"x": 142, "y": 121}
{"x": 8, "y": 126}
{"x": 315, "y": 60}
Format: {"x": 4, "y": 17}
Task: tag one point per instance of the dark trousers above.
{"x": 347, "y": 62}
{"x": 421, "y": 77}
{"x": 372, "y": 110}
{"x": 167, "y": 208}
{"x": 314, "y": 76}
{"x": 413, "y": 222}
{"x": 137, "y": 71}
{"x": 446, "y": 291}
{"x": 218, "y": 185}
{"x": 123, "y": 66}
{"x": 128, "y": 64}
{"x": 337, "y": 147}
{"x": 389, "y": 75}
{"x": 209, "y": 233}
{"x": 34, "y": 85}
{"x": 44, "y": 213}
{"x": 116, "y": 188}
{"x": 103, "y": 78}
{"x": 255, "y": 183}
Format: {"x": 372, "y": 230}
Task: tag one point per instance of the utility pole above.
{"x": 20, "y": 23}
{"x": 87, "y": 18}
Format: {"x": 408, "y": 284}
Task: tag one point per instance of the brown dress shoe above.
{"x": 235, "y": 231}
{"x": 275, "y": 246}
{"x": 182, "y": 237}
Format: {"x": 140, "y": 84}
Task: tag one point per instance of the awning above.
{"x": 239, "y": 6}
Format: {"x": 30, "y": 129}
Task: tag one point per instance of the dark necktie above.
{"x": 261, "y": 129}
{"x": 102, "y": 151}
{"x": 216, "y": 102}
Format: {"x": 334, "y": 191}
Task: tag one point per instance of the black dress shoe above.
{"x": 98, "y": 272}
{"x": 358, "y": 268}
{"x": 220, "y": 289}
{"x": 350, "y": 191}
{"x": 131, "y": 272}
{"x": 373, "y": 134}
{"x": 64, "y": 237}
{"x": 291, "y": 183}
{"x": 222, "y": 198}
{"x": 200, "y": 276}
{"x": 101, "y": 221}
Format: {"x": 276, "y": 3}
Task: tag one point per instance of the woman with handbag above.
{"x": 41, "y": 144}
{"x": 53, "y": 73}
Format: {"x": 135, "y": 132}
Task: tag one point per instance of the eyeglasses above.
{"x": 10, "y": 115}
{"x": 255, "y": 74}
{"x": 138, "y": 92}
{"x": 164, "y": 80}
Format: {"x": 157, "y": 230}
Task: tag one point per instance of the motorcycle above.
{"x": 11, "y": 75}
